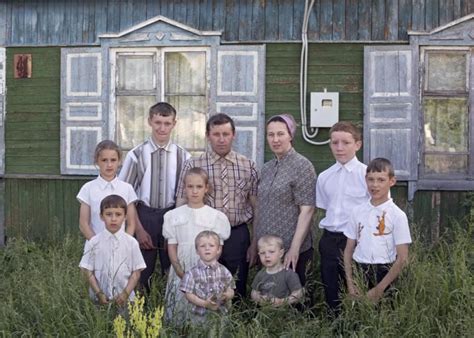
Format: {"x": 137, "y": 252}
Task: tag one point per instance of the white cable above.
{"x": 304, "y": 77}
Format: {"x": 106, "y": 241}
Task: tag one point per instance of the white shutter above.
{"x": 2, "y": 110}
{"x": 390, "y": 116}
{"x": 83, "y": 117}
{"x": 240, "y": 93}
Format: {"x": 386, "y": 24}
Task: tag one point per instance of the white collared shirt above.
{"x": 339, "y": 189}
{"x": 153, "y": 171}
{"x": 112, "y": 258}
{"x": 377, "y": 231}
{"x": 94, "y": 191}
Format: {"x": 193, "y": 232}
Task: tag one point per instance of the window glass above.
{"x": 135, "y": 72}
{"x": 445, "y": 164}
{"x": 132, "y": 120}
{"x": 446, "y": 72}
{"x": 446, "y": 124}
{"x": 185, "y": 89}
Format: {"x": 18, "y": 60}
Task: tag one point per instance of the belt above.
{"x": 141, "y": 205}
{"x": 333, "y": 233}
{"x": 235, "y": 227}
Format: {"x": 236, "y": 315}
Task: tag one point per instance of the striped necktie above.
{"x": 225, "y": 184}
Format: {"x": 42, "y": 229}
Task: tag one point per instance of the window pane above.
{"x": 135, "y": 72}
{"x": 185, "y": 73}
{"x": 446, "y": 72}
{"x": 132, "y": 114}
{"x": 191, "y": 127}
{"x": 446, "y": 124}
{"x": 445, "y": 164}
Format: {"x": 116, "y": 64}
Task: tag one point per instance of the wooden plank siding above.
{"x": 79, "y": 22}
{"x": 32, "y": 119}
{"x": 41, "y": 208}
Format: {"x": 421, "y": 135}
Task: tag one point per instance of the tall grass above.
{"x": 42, "y": 293}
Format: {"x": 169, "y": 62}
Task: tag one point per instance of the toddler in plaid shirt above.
{"x": 208, "y": 285}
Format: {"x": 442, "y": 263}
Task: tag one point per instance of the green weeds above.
{"x": 42, "y": 294}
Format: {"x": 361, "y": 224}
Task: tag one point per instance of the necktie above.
{"x": 225, "y": 184}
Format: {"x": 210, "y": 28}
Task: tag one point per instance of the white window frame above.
{"x": 159, "y": 53}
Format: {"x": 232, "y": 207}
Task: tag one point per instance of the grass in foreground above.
{"x": 42, "y": 294}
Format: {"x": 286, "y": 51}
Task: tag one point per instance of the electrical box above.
{"x": 324, "y": 109}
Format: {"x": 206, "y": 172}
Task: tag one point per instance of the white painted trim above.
{"x": 97, "y": 117}
{"x": 68, "y": 146}
{"x": 157, "y": 19}
{"x": 254, "y": 106}
{"x": 69, "y": 77}
{"x": 254, "y": 139}
{"x": 221, "y": 53}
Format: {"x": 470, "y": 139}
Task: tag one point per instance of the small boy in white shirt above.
{"x": 112, "y": 260}
{"x": 274, "y": 284}
{"x": 378, "y": 235}
{"x": 339, "y": 189}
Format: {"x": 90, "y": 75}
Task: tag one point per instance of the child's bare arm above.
{"x": 173, "y": 255}
{"x": 92, "y": 281}
{"x": 295, "y": 297}
{"x": 228, "y": 294}
{"x": 122, "y": 297}
{"x": 376, "y": 292}
{"x": 132, "y": 219}
{"x": 256, "y": 296}
{"x": 348, "y": 252}
{"x": 85, "y": 221}
{"x": 205, "y": 303}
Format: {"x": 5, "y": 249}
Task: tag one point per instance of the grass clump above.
{"x": 42, "y": 294}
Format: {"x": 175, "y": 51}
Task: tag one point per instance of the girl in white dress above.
{"x": 180, "y": 228}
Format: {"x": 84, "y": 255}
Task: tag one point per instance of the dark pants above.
{"x": 234, "y": 256}
{"x": 373, "y": 273}
{"x": 152, "y": 221}
{"x": 331, "y": 249}
{"x": 304, "y": 265}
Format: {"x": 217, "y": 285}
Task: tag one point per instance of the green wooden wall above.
{"x": 32, "y": 119}
{"x": 36, "y": 206}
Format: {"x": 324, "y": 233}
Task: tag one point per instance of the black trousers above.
{"x": 331, "y": 249}
{"x": 234, "y": 256}
{"x": 373, "y": 273}
{"x": 152, "y": 221}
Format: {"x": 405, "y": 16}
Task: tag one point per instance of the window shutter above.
{"x": 240, "y": 93}
{"x": 390, "y": 109}
{"x": 83, "y": 117}
{"x": 2, "y": 110}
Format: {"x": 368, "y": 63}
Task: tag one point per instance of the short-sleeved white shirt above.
{"x": 339, "y": 189}
{"x": 94, "y": 191}
{"x": 377, "y": 231}
{"x": 112, "y": 258}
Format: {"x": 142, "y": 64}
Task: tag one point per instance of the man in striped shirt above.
{"x": 233, "y": 179}
{"x": 153, "y": 169}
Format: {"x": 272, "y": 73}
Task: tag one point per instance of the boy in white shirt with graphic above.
{"x": 378, "y": 235}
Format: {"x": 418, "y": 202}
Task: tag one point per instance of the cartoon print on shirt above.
{"x": 359, "y": 231}
{"x": 381, "y": 226}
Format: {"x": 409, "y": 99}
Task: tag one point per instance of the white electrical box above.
{"x": 324, "y": 109}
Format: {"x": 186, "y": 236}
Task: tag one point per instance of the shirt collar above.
{"x": 103, "y": 183}
{"x": 117, "y": 236}
{"x": 349, "y": 166}
{"x": 203, "y": 265}
{"x": 157, "y": 147}
{"x": 286, "y": 156}
{"x": 230, "y": 156}
{"x": 383, "y": 205}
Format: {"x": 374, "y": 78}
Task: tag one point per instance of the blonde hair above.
{"x": 106, "y": 145}
{"x": 207, "y": 234}
{"x": 271, "y": 239}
